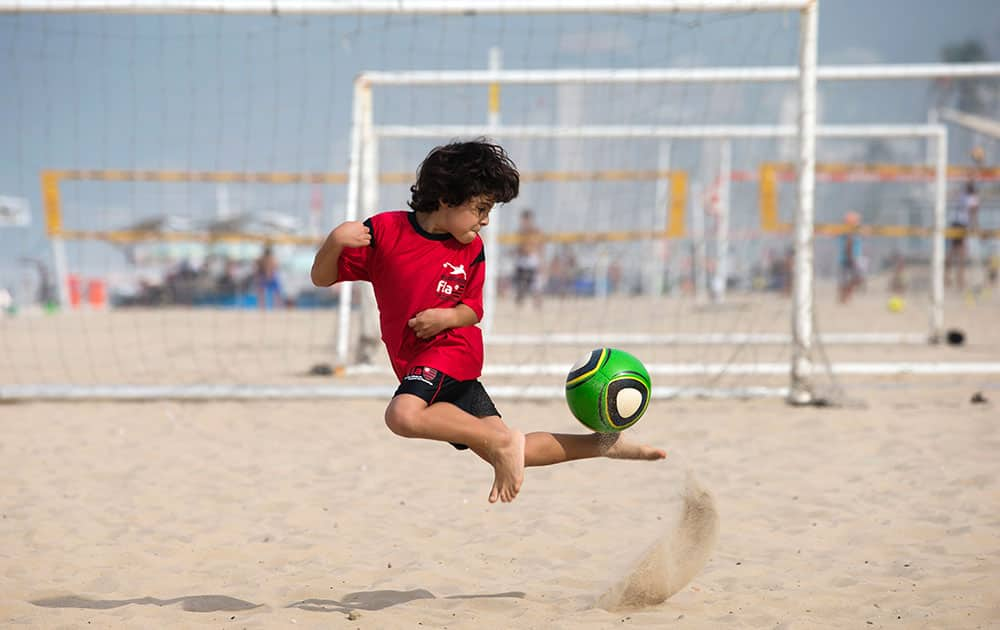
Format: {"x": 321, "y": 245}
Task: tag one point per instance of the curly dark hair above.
{"x": 459, "y": 171}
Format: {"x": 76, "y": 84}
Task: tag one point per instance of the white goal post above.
{"x": 365, "y": 178}
{"x": 363, "y": 135}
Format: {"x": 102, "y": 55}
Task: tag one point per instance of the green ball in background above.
{"x": 608, "y": 390}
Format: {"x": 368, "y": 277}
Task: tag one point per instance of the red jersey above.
{"x": 413, "y": 270}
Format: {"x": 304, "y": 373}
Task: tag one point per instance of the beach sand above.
{"x": 310, "y": 513}
{"x": 270, "y": 514}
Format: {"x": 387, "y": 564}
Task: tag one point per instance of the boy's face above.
{"x": 465, "y": 220}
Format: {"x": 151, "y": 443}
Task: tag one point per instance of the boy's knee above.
{"x": 401, "y": 421}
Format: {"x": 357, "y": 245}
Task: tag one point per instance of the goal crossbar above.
{"x": 666, "y": 132}
{"x": 856, "y": 368}
{"x": 381, "y": 7}
{"x": 682, "y": 75}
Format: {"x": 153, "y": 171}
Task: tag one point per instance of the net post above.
{"x": 367, "y": 335}
{"x": 61, "y": 271}
{"x": 721, "y": 195}
{"x": 800, "y": 388}
{"x": 491, "y": 242}
{"x": 665, "y": 198}
{"x": 699, "y": 274}
{"x": 938, "y": 243}
{"x": 362, "y": 97}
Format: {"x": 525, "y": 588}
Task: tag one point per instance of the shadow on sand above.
{"x": 362, "y": 600}
{"x": 377, "y": 600}
{"x": 191, "y": 603}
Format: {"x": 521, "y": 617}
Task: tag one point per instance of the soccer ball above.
{"x": 896, "y": 304}
{"x": 608, "y": 390}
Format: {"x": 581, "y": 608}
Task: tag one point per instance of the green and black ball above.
{"x": 608, "y": 390}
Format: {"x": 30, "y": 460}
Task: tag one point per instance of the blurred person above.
{"x": 964, "y": 217}
{"x": 227, "y": 284}
{"x": 615, "y": 276}
{"x": 897, "y": 267}
{"x": 46, "y": 293}
{"x": 266, "y": 279}
{"x": 850, "y": 274}
{"x": 993, "y": 265}
{"x": 769, "y": 271}
{"x": 562, "y": 272}
{"x": 782, "y": 270}
{"x": 528, "y": 260}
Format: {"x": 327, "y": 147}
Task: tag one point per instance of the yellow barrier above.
{"x": 892, "y": 231}
{"x": 769, "y": 198}
{"x": 135, "y": 236}
{"x": 50, "y": 180}
{"x": 770, "y": 173}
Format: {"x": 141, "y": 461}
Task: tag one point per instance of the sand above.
{"x": 674, "y": 559}
{"x": 269, "y": 514}
{"x": 196, "y": 346}
{"x": 311, "y": 513}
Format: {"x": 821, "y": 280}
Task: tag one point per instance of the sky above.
{"x": 273, "y": 93}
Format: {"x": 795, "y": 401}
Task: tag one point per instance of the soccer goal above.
{"x": 748, "y": 325}
{"x": 914, "y": 197}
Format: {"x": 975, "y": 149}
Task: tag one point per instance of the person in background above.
{"x": 528, "y": 260}
{"x": 897, "y": 267}
{"x": 849, "y": 271}
{"x": 964, "y": 219}
{"x": 266, "y": 278}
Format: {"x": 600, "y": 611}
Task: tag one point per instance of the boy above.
{"x": 427, "y": 269}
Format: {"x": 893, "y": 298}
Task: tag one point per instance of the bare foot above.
{"x": 508, "y": 469}
{"x": 617, "y": 447}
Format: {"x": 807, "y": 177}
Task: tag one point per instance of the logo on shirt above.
{"x": 422, "y": 374}
{"x": 451, "y": 284}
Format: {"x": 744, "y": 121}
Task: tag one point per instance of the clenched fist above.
{"x": 352, "y": 234}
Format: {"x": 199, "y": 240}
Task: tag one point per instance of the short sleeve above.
{"x": 473, "y": 297}
{"x": 354, "y": 262}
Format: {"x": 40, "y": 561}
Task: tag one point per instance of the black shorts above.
{"x": 433, "y": 386}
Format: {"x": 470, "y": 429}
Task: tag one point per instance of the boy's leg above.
{"x": 507, "y": 450}
{"x": 409, "y": 415}
{"x": 543, "y": 449}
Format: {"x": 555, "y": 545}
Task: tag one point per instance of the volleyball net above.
{"x": 182, "y": 161}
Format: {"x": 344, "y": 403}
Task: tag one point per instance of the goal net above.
{"x": 696, "y": 275}
{"x": 181, "y": 163}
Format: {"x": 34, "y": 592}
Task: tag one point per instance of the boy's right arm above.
{"x": 347, "y": 234}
